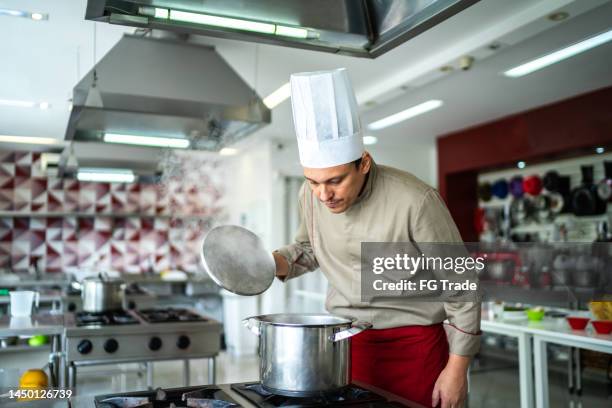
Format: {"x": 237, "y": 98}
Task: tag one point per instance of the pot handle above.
{"x": 252, "y": 325}
{"x": 356, "y": 328}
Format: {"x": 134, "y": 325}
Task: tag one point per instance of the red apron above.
{"x": 405, "y": 361}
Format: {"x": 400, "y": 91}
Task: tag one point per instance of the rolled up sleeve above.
{"x": 300, "y": 255}
{"x": 433, "y": 223}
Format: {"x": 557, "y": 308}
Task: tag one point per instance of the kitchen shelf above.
{"x": 5, "y": 214}
{"x": 24, "y": 347}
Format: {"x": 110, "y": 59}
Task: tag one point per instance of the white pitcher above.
{"x": 21, "y": 302}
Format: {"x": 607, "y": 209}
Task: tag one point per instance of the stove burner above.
{"x": 195, "y": 397}
{"x": 105, "y": 318}
{"x": 170, "y": 315}
{"x": 350, "y": 396}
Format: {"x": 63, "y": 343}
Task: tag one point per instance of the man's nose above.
{"x": 325, "y": 193}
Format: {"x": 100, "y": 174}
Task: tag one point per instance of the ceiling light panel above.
{"x": 405, "y": 114}
{"x": 560, "y": 55}
{"x": 154, "y": 141}
{"x": 36, "y": 16}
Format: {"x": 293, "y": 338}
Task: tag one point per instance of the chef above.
{"x": 347, "y": 198}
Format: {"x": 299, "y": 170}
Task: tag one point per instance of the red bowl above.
{"x": 602, "y": 326}
{"x": 578, "y": 323}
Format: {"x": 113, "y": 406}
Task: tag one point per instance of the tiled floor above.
{"x": 494, "y": 385}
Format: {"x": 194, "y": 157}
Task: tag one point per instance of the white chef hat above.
{"x": 326, "y": 118}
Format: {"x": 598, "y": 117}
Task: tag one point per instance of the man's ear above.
{"x": 366, "y": 163}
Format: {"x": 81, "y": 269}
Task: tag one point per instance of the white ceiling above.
{"x": 42, "y": 61}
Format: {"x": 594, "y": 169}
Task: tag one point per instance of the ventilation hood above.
{"x": 166, "y": 88}
{"x": 362, "y": 28}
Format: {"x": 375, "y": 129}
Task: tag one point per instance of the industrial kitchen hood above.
{"x": 362, "y": 28}
{"x": 166, "y": 88}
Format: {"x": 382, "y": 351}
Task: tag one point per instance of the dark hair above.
{"x": 358, "y": 162}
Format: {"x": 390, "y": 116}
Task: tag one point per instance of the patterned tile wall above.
{"x": 155, "y": 226}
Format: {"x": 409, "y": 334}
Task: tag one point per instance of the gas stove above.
{"x": 128, "y": 335}
{"x": 208, "y": 396}
{"x": 169, "y": 314}
{"x": 246, "y": 395}
{"x": 117, "y": 317}
{"x": 139, "y": 336}
{"x": 350, "y": 396}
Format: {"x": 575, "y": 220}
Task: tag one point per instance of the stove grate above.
{"x": 193, "y": 397}
{"x": 350, "y": 396}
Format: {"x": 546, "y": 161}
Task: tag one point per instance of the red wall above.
{"x": 566, "y": 128}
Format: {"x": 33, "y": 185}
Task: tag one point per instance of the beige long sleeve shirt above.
{"x": 394, "y": 206}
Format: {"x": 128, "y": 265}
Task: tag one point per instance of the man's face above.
{"x": 338, "y": 187}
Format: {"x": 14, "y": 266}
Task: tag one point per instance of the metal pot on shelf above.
{"x": 102, "y": 294}
{"x": 304, "y": 354}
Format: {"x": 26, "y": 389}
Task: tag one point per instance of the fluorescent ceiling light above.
{"x": 19, "y": 104}
{"x": 161, "y": 13}
{"x": 370, "y": 140}
{"x": 405, "y": 114}
{"x": 278, "y": 96}
{"x": 13, "y": 13}
{"x": 146, "y": 140}
{"x": 24, "y": 104}
{"x": 294, "y": 32}
{"x": 226, "y": 22}
{"x": 105, "y": 175}
{"x": 228, "y": 151}
{"x": 559, "y": 55}
{"x": 28, "y": 140}
{"x": 20, "y": 13}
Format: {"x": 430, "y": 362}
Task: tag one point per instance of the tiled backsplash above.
{"x": 64, "y": 224}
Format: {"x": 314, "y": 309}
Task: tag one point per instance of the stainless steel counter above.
{"x": 44, "y": 323}
{"x": 39, "y": 324}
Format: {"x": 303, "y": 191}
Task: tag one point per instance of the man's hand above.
{"x": 450, "y": 389}
{"x": 282, "y": 267}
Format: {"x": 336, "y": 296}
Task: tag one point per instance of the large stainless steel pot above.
{"x": 304, "y": 354}
{"x": 102, "y": 294}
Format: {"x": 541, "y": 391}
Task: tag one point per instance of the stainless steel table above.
{"x": 549, "y": 330}
{"x": 583, "y": 339}
{"x": 39, "y": 324}
{"x": 520, "y": 331}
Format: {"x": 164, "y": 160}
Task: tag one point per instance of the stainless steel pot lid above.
{"x": 235, "y": 258}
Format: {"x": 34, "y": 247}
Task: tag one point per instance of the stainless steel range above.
{"x": 245, "y": 395}
{"x": 139, "y": 336}
{"x": 350, "y": 396}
